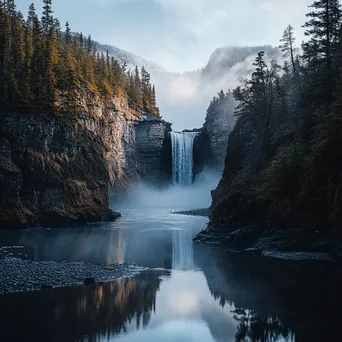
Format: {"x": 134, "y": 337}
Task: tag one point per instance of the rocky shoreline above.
{"x": 17, "y": 275}
{"x": 194, "y": 212}
{"x": 288, "y": 244}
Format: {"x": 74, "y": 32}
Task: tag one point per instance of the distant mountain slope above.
{"x": 129, "y": 58}
{"x": 184, "y": 98}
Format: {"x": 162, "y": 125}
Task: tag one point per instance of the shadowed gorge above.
{"x": 175, "y": 176}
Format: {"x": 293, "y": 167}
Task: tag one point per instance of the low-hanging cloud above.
{"x": 184, "y": 98}
{"x": 180, "y": 35}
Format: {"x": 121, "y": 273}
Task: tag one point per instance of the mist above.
{"x": 184, "y": 98}
{"x": 195, "y": 196}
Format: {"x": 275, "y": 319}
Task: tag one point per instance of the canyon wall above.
{"x": 210, "y": 146}
{"x": 61, "y": 170}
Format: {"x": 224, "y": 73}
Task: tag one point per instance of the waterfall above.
{"x": 182, "y": 157}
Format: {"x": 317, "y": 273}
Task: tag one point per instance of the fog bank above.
{"x": 196, "y": 196}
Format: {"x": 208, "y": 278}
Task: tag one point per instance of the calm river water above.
{"x": 189, "y": 292}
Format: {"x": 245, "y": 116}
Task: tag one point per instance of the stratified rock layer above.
{"x": 56, "y": 171}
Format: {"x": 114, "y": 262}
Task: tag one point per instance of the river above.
{"x": 187, "y": 292}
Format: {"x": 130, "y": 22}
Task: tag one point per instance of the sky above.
{"x": 179, "y": 35}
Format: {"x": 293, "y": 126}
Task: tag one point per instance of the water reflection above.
{"x": 80, "y": 314}
{"x": 207, "y": 295}
{"x": 148, "y": 238}
{"x": 275, "y": 300}
{"x": 182, "y": 250}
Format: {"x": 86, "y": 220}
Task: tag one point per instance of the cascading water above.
{"x": 182, "y": 172}
{"x": 182, "y": 157}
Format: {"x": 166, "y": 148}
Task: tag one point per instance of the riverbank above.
{"x": 19, "y": 275}
{"x": 206, "y": 212}
{"x": 288, "y": 244}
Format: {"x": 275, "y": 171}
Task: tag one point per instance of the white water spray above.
{"x": 182, "y": 157}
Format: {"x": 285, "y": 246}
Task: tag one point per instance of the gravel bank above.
{"x": 17, "y": 275}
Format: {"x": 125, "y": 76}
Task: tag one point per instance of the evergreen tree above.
{"x": 5, "y": 43}
{"x": 256, "y": 102}
{"x": 36, "y": 64}
{"x": 26, "y": 88}
{"x": 51, "y": 60}
{"x": 323, "y": 28}
{"x": 89, "y": 45}
{"x": 32, "y": 16}
{"x": 81, "y": 40}
{"x": 58, "y": 30}
{"x": 43, "y": 69}
{"x": 146, "y": 90}
{"x": 10, "y": 7}
{"x": 68, "y": 35}
{"x": 137, "y": 94}
{"x": 288, "y": 46}
{"x": 14, "y": 96}
{"x": 47, "y": 18}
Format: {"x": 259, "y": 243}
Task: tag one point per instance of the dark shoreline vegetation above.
{"x": 283, "y": 166}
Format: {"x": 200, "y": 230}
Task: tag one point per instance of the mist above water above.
{"x": 197, "y": 195}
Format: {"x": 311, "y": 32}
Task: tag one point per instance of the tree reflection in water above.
{"x": 256, "y": 328}
{"x": 275, "y": 300}
{"x": 81, "y": 313}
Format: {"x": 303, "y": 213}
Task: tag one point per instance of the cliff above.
{"x": 135, "y": 143}
{"x": 58, "y": 170}
{"x": 210, "y": 146}
{"x": 277, "y": 192}
{"x": 51, "y": 172}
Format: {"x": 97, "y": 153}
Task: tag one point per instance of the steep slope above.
{"x": 183, "y": 97}
{"x": 56, "y": 171}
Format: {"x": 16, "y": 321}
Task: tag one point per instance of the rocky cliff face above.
{"x": 136, "y": 144}
{"x": 57, "y": 170}
{"x": 210, "y": 146}
{"x": 153, "y": 149}
{"x": 51, "y": 172}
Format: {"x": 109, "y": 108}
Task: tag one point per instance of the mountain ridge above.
{"x": 183, "y": 98}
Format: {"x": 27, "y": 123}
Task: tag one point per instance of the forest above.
{"x": 284, "y": 158}
{"x": 43, "y": 67}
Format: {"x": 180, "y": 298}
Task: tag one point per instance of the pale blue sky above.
{"x": 180, "y": 35}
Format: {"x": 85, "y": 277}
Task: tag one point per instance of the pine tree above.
{"x": 323, "y": 28}
{"x": 81, "y": 40}
{"x": 10, "y": 7}
{"x": 68, "y": 35}
{"x": 26, "y": 87}
{"x": 58, "y": 30}
{"x": 154, "y": 102}
{"x": 146, "y": 90}
{"x": 137, "y": 89}
{"x": 47, "y": 18}
{"x": 32, "y": 16}
{"x": 288, "y": 46}
{"x": 36, "y": 64}
{"x": 14, "y": 95}
{"x": 5, "y": 43}
{"x": 255, "y": 102}
{"x": 18, "y": 45}
{"x": 89, "y": 45}
{"x": 51, "y": 60}
{"x": 41, "y": 68}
